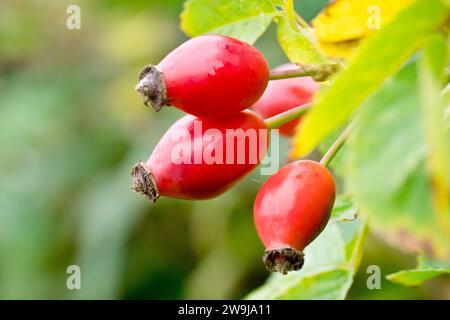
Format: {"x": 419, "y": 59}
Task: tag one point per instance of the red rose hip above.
{"x": 210, "y": 76}
{"x": 283, "y": 95}
{"x": 200, "y": 159}
{"x": 290, "y": 211}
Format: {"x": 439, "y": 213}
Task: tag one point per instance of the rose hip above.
{"x": 210, "y": 76}
{"x": 200, "y": 159}
{"x": 290, "y": 211}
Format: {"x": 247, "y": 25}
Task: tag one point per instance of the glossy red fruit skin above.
{"x": 293, "y": 207}
{"x": 197, "y": 181}
{"x": 283, "y": 95}
{"x": 213, "y": 76}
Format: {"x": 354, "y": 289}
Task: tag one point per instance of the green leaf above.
{"x": 379, "y": 57}
{"x": 245, "y": 20}
{"x": 297, "y": 43}
{"x": 426, "y": 270}
{"x": 415, "y": 277}
{"x": 277, "y": 2}
{"x": 386, "y": 172}
{"x": 330, "y": 264}
{"x": 446, "y": 100}
{"x": 432, "y": 79}
{"x": 343, "y": 209}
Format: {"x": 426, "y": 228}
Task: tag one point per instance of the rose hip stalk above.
{"x": 290, "y": 211}
{"x": 210, "y": 76}
{"x": 200, "y": 159}
{"x": 285, "y": 94}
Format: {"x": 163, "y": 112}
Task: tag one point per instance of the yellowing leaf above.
{"x": 344, "y": 22}
{"x": 342, "y": 49}
{"x": 376, "y": 59}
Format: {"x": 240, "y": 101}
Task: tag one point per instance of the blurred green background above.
{"x": 71, "y": 127}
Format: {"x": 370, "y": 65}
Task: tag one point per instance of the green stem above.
{"x": 302, "y": 21}
{"x": 319, "y": 72}
{"x": 287, "y": 116}
{"x": 337, "y": 145}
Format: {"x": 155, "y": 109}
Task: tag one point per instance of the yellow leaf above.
{"x": 376, "y": 59}
{"x": 342, "y": 49}
{"x": 343, "y": 23}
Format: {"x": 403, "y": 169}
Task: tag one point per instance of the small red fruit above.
{"x": 200, "y": 159}
{"x": 210, "y": 76}
{"x": 290, "y": 211}
{"x": 283, "y": 95}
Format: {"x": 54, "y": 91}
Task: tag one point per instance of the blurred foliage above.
{"x": 71, "y": 127}
{"x": 401, "y": 205}
{"x": 296, "y": 44}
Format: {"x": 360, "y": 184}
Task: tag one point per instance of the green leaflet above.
{"x": 343, "y": 209}
{"x": 386, "y": 171}
{"x": 244, "y": 20}
{"x": 297, "y": 43}
{"x": 426, "y": 270}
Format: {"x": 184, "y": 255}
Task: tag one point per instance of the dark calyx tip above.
{"x": 152, "y": 87}
{"x": 283, "y": 260}
{"x": 144, "y": 182}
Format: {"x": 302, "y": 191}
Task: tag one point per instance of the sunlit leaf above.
{"x": 290, "y": 12}
{"x": 386, "y": 171}
{"x": 378, "y": 58}
{"x": 278, "y": 2}
{"x": 245, "y": 20}
{"x": 432, "y": 79}
{"x": 345, "y": 22}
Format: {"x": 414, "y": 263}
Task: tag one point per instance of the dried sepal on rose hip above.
{"x": 200, "y": 159}
{"x": 291, "y": 209}
{"x": 283, "y": 95}
{"x": 209, "y": 76}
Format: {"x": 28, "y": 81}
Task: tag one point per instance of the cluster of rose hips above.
{"x": 214, "y": 78}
